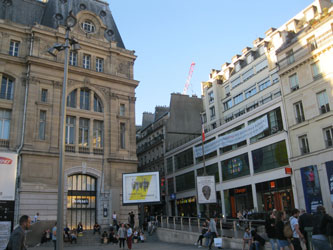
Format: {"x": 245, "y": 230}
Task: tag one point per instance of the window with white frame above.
{"x": 7, "y": 87}
{"x": 84, "y": 132}
{"x": 5, "y": 116}
{"x": 211, "y": 97}
{"x": 14, "y": 48}
{"x": 261, "y": 66}
{"x": 88, "y": 26}
{"x": 122, "y": 109}
{"x": 228, "y": 104}
{"x": 212, "y": 112}
{"x": 248, "y": 74}
{"x": 316, "y": 72}
{"x": 85, "y": 99}
{"x": 73, "y": 58}
{"x": 86, "y": 61}
{"x": 238, "y": 98}
{"x": 304, "y": 144}
{"x": 328, "y": 136}
{"x": 98, "y": 134}
{"x": 43, "y": 95}
{"x": 290, "y": 57}
{"x": 122, "y": 136}
{"x": 299, "y": 112}
{"x": 250, "y": 92}
{"x": 42, "y": 125}
{"x": 99, "y": 64}
{"x": 322, "y": 99}
{"x": 70, "y": 130}
{"x": 293, "y": 82}
{"x": 264, "y": 84}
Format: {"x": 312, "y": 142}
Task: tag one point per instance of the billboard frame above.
{"x": 212, "y": 187}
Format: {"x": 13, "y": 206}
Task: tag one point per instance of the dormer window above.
{"x": 88, "y": 26}
{"x": 237, "y": 67}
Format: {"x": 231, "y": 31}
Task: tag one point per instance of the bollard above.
{"x": 174, "y": 223}
{"x": 199, "y": 225}
{"x": 167, "y": 221}
{"x": 250, "y": 225}
{"x": 234, "y": 225}
{"x": 221, "y": 226}
{"x": 308, "y": 231}
{"x": 181, "y": 223}
{"x": 189, "y": 224}
{"x": 161, "y": 221}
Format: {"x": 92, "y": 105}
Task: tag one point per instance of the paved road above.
{"x": 152, "y": 243}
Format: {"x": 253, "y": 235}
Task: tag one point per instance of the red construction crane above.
{"x": 188, "y": 80}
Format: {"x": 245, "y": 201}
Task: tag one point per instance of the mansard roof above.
{"x": 29, "y": 12}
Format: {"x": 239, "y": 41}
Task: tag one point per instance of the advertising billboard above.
{"x": 206, "y": 189}
{"x": 8, "y": 166}
{"x": 141, "y": 188}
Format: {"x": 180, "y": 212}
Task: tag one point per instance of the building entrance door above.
{"x": 81, "y": 201}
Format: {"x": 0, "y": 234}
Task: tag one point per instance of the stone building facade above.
{"x": 100, "y": 120}
{"x": 307, "y": 86}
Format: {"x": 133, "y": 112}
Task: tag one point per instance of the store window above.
{"x": 235, "y": 167}
{"x": 269, "y": 157}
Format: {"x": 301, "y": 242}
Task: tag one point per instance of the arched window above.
{"x": 85, "y": 99}
{"x": 88, "y": 26}
{"x": 71, "y": 99}
{"x": 97, "y": 104}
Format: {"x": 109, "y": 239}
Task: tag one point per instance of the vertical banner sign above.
{"x": 329, "y": 170}
{"x": 311, "y": 187}
{"x": 206, "y": 189}
{"x": 8, "y": 166}
{"x": 141, "y": 188}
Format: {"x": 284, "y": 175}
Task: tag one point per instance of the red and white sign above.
{"x": 8, "y": 167}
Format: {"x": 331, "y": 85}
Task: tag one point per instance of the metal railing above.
{"x": 226, "y": 227}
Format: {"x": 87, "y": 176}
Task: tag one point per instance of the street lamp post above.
{"x": 70, "y": 22}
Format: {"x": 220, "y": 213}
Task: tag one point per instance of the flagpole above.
{"x": 203, "y": 157}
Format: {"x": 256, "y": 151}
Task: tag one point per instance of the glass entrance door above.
{"x": 81, "y": 201}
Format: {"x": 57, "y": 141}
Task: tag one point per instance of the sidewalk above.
{"x": 152, "y": 243}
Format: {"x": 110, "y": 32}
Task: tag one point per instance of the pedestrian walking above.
{"x": 54, "y": 236}
{"x": 297, "y": 235}
{"x": 114, "y": 218}
{"x": 129, "y": 236}
{"x": 270, "y": 230}
{"x": 122, "y": 235}
{"x": 17, "y": 238}
{"x": 305, "y": 220}
{"x": 279, "y": 226}
{"x": 321, "y": 221}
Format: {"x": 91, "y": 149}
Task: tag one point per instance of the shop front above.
{"x": 238, "y": 199}
{"x": 187, "y": 207}
{"x": 275, "y": 194}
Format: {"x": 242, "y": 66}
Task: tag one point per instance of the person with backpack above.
{"x": 282, "y": 240}
{"x": 297, "y": 235}
{"x": 319, "y": 234}
{"x": 270, "y": 229}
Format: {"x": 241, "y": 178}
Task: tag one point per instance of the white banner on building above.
{"x": 141, "y": 188}
{"x": 206, "y": 189}
{"x": 8, "y": 166}
{"x": 249, "y": 131}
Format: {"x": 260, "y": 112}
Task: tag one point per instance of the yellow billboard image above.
{"x": 141, "y": 188}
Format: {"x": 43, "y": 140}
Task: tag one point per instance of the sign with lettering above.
{"x": 8, "y": 167}
{"x": 249, "y": 131}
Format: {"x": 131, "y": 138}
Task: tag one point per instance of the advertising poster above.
{"x": 311, "y": 187}
{"x": 206, "y": 189}
{"x": 8, "y": 165}
{"x": 141, "y": 188}
{"x": 329, "y": 170}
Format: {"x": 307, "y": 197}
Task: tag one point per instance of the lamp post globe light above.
{"x": 69, "y": 43}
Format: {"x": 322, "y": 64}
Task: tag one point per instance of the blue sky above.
{"x": 168, "y": 35}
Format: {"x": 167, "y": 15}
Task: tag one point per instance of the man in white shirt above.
{"x": 297, "y": 235}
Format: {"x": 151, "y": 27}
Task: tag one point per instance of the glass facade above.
{"x": 269, "y": 157}
{"x": 185, "y": 182}
{"x": 184, "y": 159}
{"x": 235, "y": 167}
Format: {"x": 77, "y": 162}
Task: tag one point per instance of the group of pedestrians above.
{"x": 290, "y": 232}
